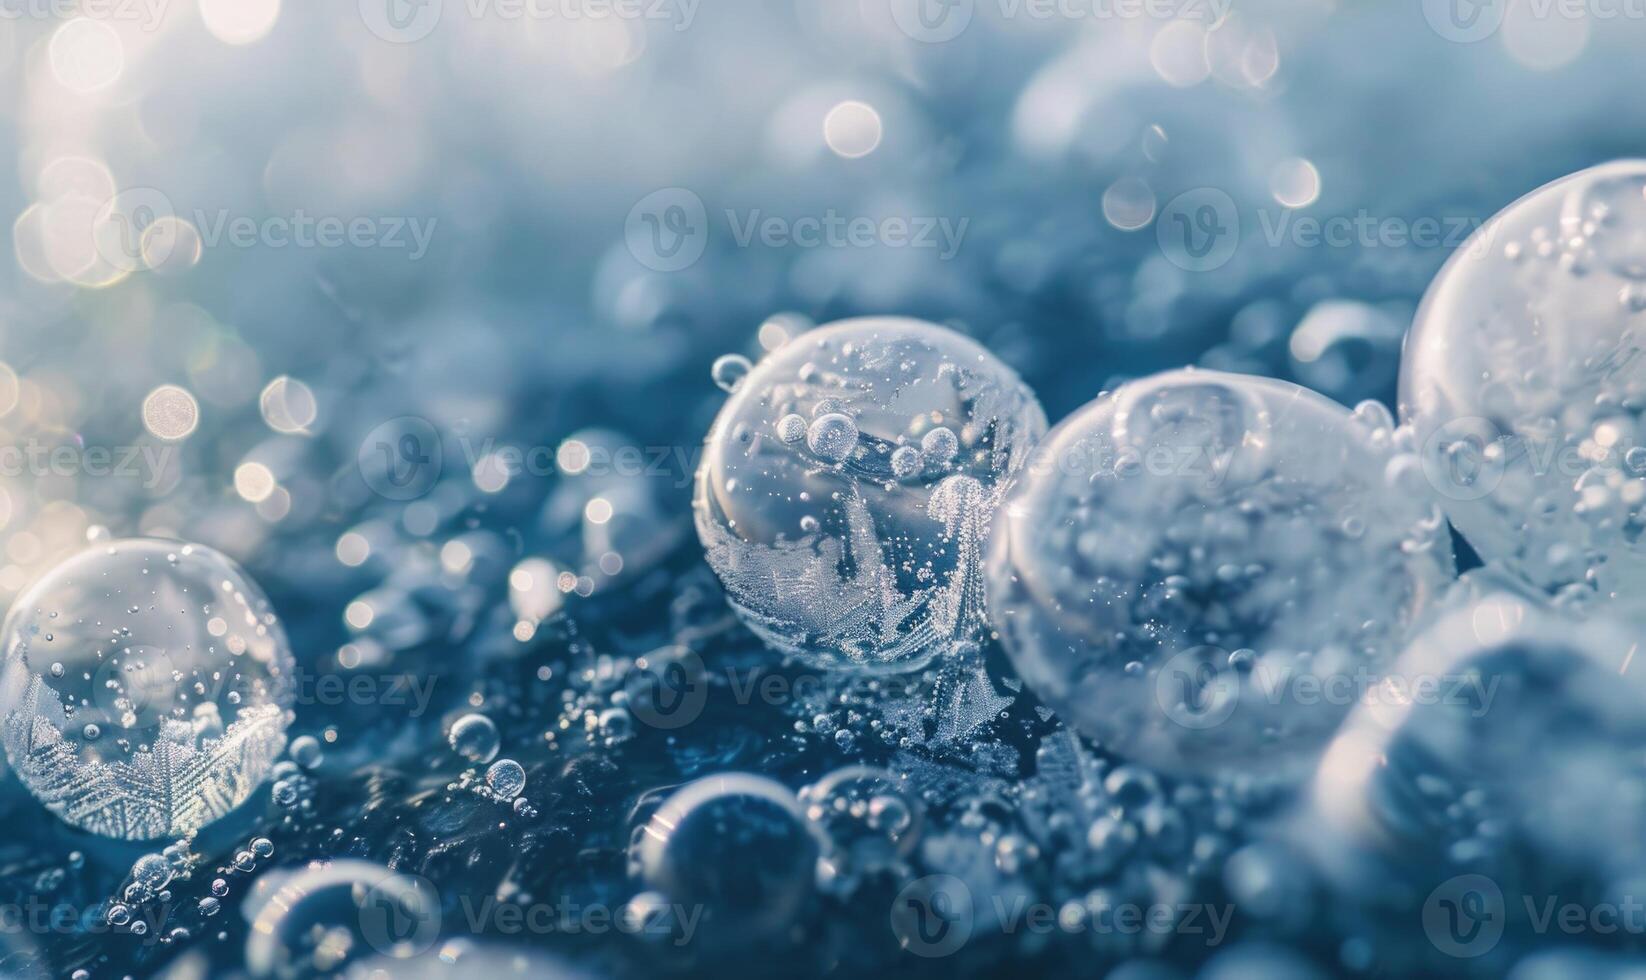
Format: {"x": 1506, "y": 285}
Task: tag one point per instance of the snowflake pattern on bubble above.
{"x": 1202, "y": 570}
{"x": 847, "y": 486}
{"x": 1525, "y": 385}
{"x": 146, "y": 688}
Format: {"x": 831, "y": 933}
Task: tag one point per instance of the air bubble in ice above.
{"x": 847, "y": 485}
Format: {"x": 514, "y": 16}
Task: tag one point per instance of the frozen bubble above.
{"x": 151, "y": 873}
{"x": 1202, "y": 570}
{"x": 832, "y": 437}
{"x": 827, "y": 551}
{"x": 475, "y": 738}
{"x": 940, "y": 445}
{"x": 729, "y": 370}
{"x": 306, "y": 752}
{"x": 172, "y": 706}
{"x": 869, "y": 816}
{"x": 506, "y": 778}
{"x": 906, "y": 462}
{"x": 319, "y": 918}
{"x": 1525, "y": 386}
{"x": 1508, "y": 736}
{"x": 738, "y": 848}
{"x": 791, "y": 428}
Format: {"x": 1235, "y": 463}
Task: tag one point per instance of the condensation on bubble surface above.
{"x": 1202, "y": 569}
{"x": 826, "y": 551}
{"x": 145, "y": 690}
{"x": 1525, "y": 385}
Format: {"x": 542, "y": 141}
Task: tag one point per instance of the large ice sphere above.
{"x": 146, "y": 688}
{"x": 1525, "y": 386}
{"x": 1204, "y": 570}
{"x": 846, "y": 489}
{"x": 1508, "y": 740}
{"x": 736, "y": 848}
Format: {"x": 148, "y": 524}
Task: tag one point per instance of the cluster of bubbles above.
{"x": 1226, "y": 576}
{"x": 1185, "y": 540}
{"x": 1091, "y": 116}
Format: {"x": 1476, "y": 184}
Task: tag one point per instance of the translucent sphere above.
{"x": 736, "y": 846}
{"x": 333, "y": 914}
{"x": 1507, "y": 740}
{"x": 1203, "y": 570}
{"x": 847, "y": 485}
{"x": 871, "y": 818}
{"x": 475, "y": 738}
{"x": 506, "y": 778}
{"x": 146, "y": 688}
{"x": 1524, "y": 382}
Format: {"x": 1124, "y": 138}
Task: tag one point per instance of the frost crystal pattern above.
{"x": 1206, "y": 571}
{"x": 145, "y": 690}
{"x": 847, "y": 485}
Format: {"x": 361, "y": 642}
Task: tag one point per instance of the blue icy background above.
{"x": 531, "y": 320}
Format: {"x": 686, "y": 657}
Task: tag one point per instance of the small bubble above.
{"x": 506, "y": 778}
{"x": 475, "y": 738}
{"x": 832, "y": 437}
{"x": 729, "y": 370}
